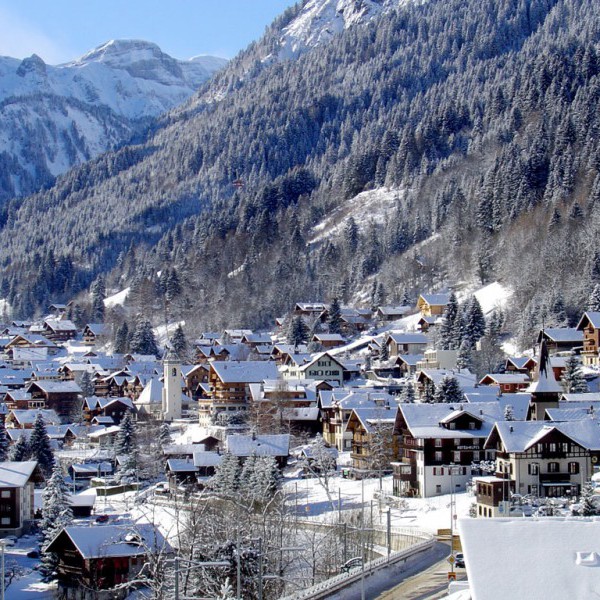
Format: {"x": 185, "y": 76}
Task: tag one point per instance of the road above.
{"x": 429, "y": 584}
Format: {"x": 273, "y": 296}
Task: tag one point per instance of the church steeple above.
{"x": 171, "y": 401}
{"x": 545, "y": 390}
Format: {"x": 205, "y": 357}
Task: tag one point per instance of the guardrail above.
{"x": 339, "y": 582}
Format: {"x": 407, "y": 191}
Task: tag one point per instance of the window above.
{"x": 553, "y": 467}
{"x": 174, "y": 371}
{"x": 534, "y": 490}
{"x": 552, "y": 447}
{"x": 5, "y": 494}
{"x": 565, "y": 447}
{"x": 452, "y": 426}
{"x": 456, "y": 457}
{"x": 438, "y": 456}
{"x": 438, "y": 489}
{"x": 573, "y": 468}
{"x": 471, "y": 425}
{"x": 533, "y": 468}
{"x": 476, "y": 455}
{"x": 457, "y": 441}
{"x": 5, "y": 521}
{"x": 438, "y": 443}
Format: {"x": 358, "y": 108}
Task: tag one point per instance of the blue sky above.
{"x": 61, "y": 30}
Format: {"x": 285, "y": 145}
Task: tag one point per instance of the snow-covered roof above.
{"x": 96, "y": 328}
{"x": 506, "y": 378}
{"x": 244, "y": 372}
{"x": 60, "y": 324}
{"x": 549, "y": 559}
{"x": 590, "y": 316}
{"x": 28, "y": 415}
{"x": 423, "y": 419}
{"x": 16, "y": 474}
{"x": 114, "y": 540}
{"x": 105, "y": 431}
{"x": 518, "y": 436}
{"x": 372, "y": 419}
{"x": 55, "y": 387}
{"x": 464, "y": 377}
{"x": 207, "y": 459}
{"x": 408, "y": 338}
{"x": 562, "y": 334}
{"x": 329, "y": 337}
{"x": 436, "y": 299}
{"x": 259, "y": 445}
{"x": 152, "y": 393}
{"x": 519, "y": 361}
{"x": 394, "y": 310}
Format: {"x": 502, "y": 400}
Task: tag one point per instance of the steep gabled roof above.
{"x": 544, "y": 381}
{"x": 589, "y": 317}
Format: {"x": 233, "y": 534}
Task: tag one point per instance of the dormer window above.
{"x": 451, "y": 425}
{"x": 471, "y": 425}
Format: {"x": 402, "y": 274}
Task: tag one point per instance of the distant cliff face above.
{"x": 55, "y": 117}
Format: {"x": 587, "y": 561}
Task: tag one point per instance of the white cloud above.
{"x": 20, "y": 39}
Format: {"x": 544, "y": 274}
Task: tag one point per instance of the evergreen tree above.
{"x": 448, "y": 337}
{"x": 39, "y": 446}
{"x": 226, "y": 479}
{"x": 121, "y": 343}
{"x": 20, "y": 450}
{"x": 408, "y": 394}
{"x": 98, "y": 291}
{"x": 86, "y": 384}
{"x": 4, "y": 442}
{"x": 464, "y": 359}
{"x": 384, "y": 353}
{"x": 572, "y": 378}
{"x": 594, "y": 300}
{"x": 474, "y": 322}
{"x": 335, "y": 317}
{"x": 588, "y": 506}
{"x": 297, "y": 332}
{"x": 143, "y": 340}
{"x": 164, "y": 435}
{"x": 56, "y": 514}
{"x": 126, "y": 448}
{"x": 448, "y": 390}
{"x": 179, "y": 343}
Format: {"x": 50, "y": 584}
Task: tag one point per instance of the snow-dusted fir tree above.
{"x": 264, "y": 479}
{"x": 448, "y": 390}
{"x": 594, "y": 299}
{"x": 98, "y": 291}
{"x": 164, "y": 435}
{"x": 588, "y": 506}
{"x": 39, "y": 446}
{"x": 121, "y": 344}
{"x": 408, "y": 394}
{"x": 572, "y": 378}
{"x": 297, "y": 332}
{"x": 56, "y": 514}
{"x": 464, "y": 358}
{"x": 126, "y": 448}
{"x": 474, "y": 321}
{"x": 334, "y": 319}
{"x": 384, "y": 353}
{"x": 448, "y": 331}
{"x": 321, "y": 462}
{"x": 86, "y": 384}
{"x": 226, "y": 479}
{"x": 4, "y": 442}
{"x": 179, "y": 343}
{"x": 509, "y": 413}
{"x": 143, "y": 340}
{"x": 20, "y": 450}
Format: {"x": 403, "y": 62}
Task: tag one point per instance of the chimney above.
{"x": 511, "y": 429}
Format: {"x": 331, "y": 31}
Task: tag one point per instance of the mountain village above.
{"x": 98, "y": 447}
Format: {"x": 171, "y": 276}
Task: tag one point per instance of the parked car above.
{"x": 102, "y": 519}
{"x": 161, "y": 488}
{"x": 459, "y": 560}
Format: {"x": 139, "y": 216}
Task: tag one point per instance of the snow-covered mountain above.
{"x": 319, "y": 21}
{"x": 57, "y": 116}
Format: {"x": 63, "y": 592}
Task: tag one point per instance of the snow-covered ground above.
{"x": 117, "y": 299}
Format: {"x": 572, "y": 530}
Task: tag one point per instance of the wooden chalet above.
{"x": 374, "y": 445}
{"x": 276, "y": 446}
{"x": 109, "y": 407}
{"x": 92, "y": 332}
{"x": 431, "y": 305}
{"x": 61, "y": 396}
{"x": 59, "y": 330}
{"x": 589, "y": 325}
{"x": 386, "y": 314}
{"x": 562, "y": 339}
{"x": 328, "y": 340}
{"x": 406, "y": 343}
{"x": 230, "y": 387}
{"x": 507, "y": 383}
{"x": 20, "y": 418}
{"x": 520, "y": 364}
{"x": 17, "y": 481}
{"x": 433, "y": 437}
{"x": 100, "y": 558}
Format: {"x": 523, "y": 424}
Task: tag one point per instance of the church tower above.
{"x": 171, "y": 398}
{"x": 545, "y": 390}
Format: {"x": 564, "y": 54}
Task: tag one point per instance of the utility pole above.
{"x": 260, "y": 569}
{"x": 389, "y": 532}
